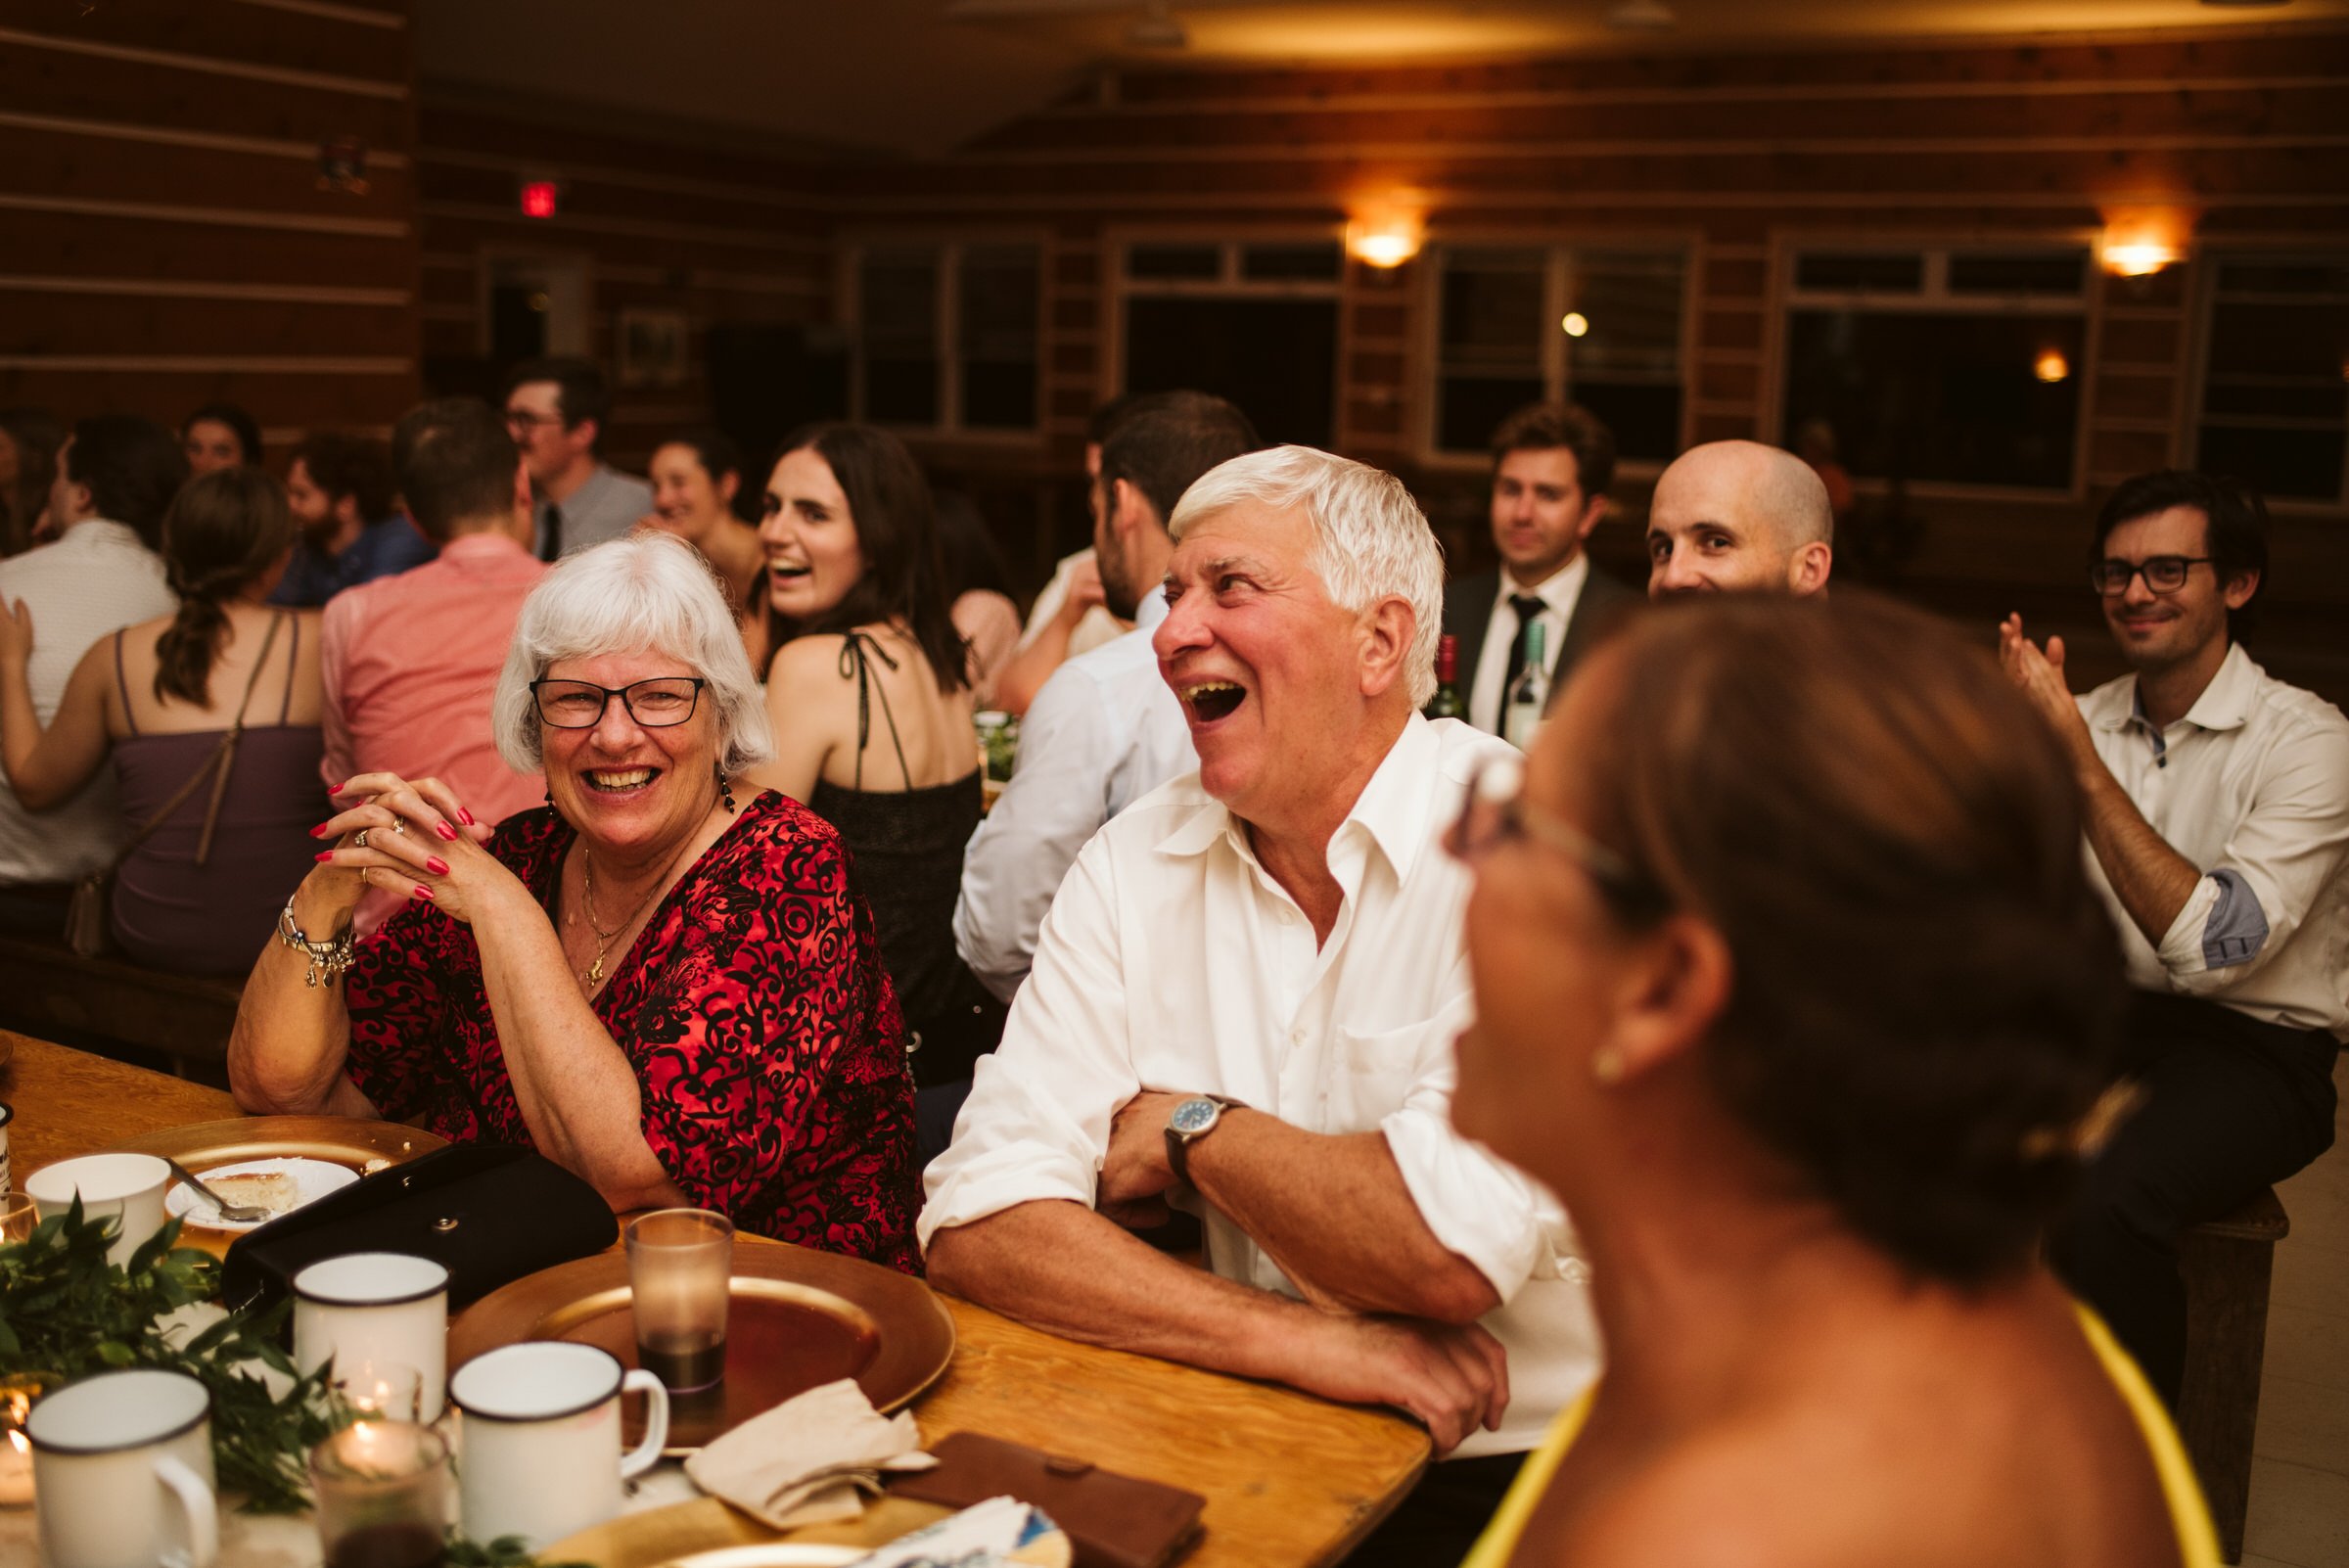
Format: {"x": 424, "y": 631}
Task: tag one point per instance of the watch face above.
{"x": 1194, "y": 1116}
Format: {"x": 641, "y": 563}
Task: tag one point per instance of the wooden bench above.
{"x": 2228, "y": 1264}
{"x": 48, "y": 991}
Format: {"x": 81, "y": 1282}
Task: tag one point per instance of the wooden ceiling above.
{"x": 920, "y": 76}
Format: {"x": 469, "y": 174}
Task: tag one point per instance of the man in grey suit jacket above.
{"x": 1551, "y": 465}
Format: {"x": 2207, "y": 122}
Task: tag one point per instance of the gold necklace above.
{"x": 604, "y": 939}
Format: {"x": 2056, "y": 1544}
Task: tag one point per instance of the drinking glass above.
{"x": 383, "y": 1496}
{"x": 373, "y": 1390}
{"x": 680, "y": 1266}
{"x": 19, "y": 1216}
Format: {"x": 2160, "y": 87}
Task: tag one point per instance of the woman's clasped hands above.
{"x": 416, "y": 840}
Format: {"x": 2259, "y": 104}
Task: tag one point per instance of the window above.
{"x": 1596, "y": 326}
{"x": 1252, "y": 321}
{"x": 1956, "y": 366}
{"x": 947, "y": 336}
{"x": 2274, "y": 405}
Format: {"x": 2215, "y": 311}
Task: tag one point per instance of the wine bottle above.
{"x": 1521, "y": 706}
{"x": 1446, "y": 702}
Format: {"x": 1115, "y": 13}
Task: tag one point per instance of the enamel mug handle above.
{"x": 655, "y": 1424}
{"x": 202, "y": 1511}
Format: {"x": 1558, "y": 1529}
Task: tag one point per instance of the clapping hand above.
{"x": 2039, "y": 675}
{"x": 15, "y": 633}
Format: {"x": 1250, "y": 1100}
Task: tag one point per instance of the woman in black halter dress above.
{"x": 869, "y": 692}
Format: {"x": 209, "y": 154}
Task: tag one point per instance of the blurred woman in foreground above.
{"x": 1795, "y": 993}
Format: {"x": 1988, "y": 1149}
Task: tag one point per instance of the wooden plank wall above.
{"x": 715, "y": 234}
{"x": 164, "y": 240}
{"x": 2244, "y": 134}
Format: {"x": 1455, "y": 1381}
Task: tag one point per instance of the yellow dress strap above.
{"x": 2189, "y": 1515}
{"x": 1499, "y": 1542}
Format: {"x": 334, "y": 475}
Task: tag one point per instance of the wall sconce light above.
{"x": 2051, "y": 367}
{"x": 1576, "y": 324}
{"x": 1386, "y": 241}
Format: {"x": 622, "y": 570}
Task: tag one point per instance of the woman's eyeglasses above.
{"x": 1494, "y": 812}
{"x": 2163, "y": 574}
{"x": 654, "y": 704}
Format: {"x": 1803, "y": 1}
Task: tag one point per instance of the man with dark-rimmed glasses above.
{"x": 2217, "y": 805}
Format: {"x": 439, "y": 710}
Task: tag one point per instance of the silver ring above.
{"x": 359, "y": 840}
{"x": 400, "y": 827}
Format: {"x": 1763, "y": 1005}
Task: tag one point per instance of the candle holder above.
{"x": 383, "y": 1496}
{"x": 18, "y": 1396}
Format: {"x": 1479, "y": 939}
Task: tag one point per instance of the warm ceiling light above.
{"x": 1384, "y": 242}
{"x": 2051, "y": 367}
{"x": 1576, "y": 323}
{"x": 2139, "y": 260}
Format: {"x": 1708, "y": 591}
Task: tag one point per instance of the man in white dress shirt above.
{"x": 2216, "y": 799}
{"x": 116, "y": 478}
{"x": 1243, "y": 1002}
{"x": 1105, "y": 730}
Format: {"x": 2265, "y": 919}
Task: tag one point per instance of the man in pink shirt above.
{"x": 409, "y": 661}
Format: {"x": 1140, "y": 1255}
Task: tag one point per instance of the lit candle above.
{"x": 15, "y": 1463}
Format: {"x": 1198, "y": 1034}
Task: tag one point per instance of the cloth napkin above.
{"x": 811, "y": 1459}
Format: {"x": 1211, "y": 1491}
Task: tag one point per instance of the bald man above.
{"x": 1739, "y": 516}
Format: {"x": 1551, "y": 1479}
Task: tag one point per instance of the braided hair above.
{"x": 224, "y": 532}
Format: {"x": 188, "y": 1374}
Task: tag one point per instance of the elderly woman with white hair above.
{"x": 672, "y": 990}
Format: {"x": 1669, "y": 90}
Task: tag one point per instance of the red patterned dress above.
{"x": 752, "y": 1008}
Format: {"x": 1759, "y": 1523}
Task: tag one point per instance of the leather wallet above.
{"x": 490, "y": 1213}
{"x": 1112, "y": 1520}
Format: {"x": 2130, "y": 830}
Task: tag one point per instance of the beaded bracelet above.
{"x": 327, "y": 959}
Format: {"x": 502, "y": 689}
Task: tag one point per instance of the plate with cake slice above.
{"x": 280, "y": 1185}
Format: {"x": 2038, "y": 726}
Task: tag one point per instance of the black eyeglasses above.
{"x": 655, "y": 704}
{"x": 1494, "y": 810}
{"x": 2163, "y": 574}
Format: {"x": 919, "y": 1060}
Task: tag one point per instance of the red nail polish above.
{"x": 422, "y": 892}
{"x": 319, "y": 831}
{"x": 323, "y": 859}
{"x": 464, "y": 817}
{"x": 445, "y": 831}
{"x": 334, "y": 789}
{"x": 436, "y": 865}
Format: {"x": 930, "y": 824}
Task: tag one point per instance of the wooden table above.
{"x": 1290, "y": 1480}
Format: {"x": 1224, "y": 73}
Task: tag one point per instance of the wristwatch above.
{"x": 1191, "y": 1121}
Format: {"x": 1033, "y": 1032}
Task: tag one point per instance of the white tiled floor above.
{"x": 2300, "y": 1469}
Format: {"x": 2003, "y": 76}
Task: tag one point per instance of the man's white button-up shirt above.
{"x": 2252, "y": 787}
{"x": 1171, "y": 961}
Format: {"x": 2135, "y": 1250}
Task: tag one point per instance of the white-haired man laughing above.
{"x": 1243, "y": 1002}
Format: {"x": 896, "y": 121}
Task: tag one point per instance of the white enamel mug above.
{"x": 122, "y": 1472}
{"x": 127, "y": 1186}
{"x": 538, "y": 1453}
{"x": 377, "y": 1308}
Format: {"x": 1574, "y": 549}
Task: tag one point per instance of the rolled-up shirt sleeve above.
{"x": 2288, "y": 848}
{"x": 1055, "y": 802}
{"x": 1478, "y": 1206}
{"x": 1036, "y": 1127}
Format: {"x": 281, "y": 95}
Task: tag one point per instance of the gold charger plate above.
{"x": 798, "y": 1319}
{"x": 345, "y": 1140}
{"x": 707, "y": 1533}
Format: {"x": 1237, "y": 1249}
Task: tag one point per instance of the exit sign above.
{"x": 538, "y": 199}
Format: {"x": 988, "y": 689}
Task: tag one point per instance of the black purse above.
{"x": 490, "y": 1213}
